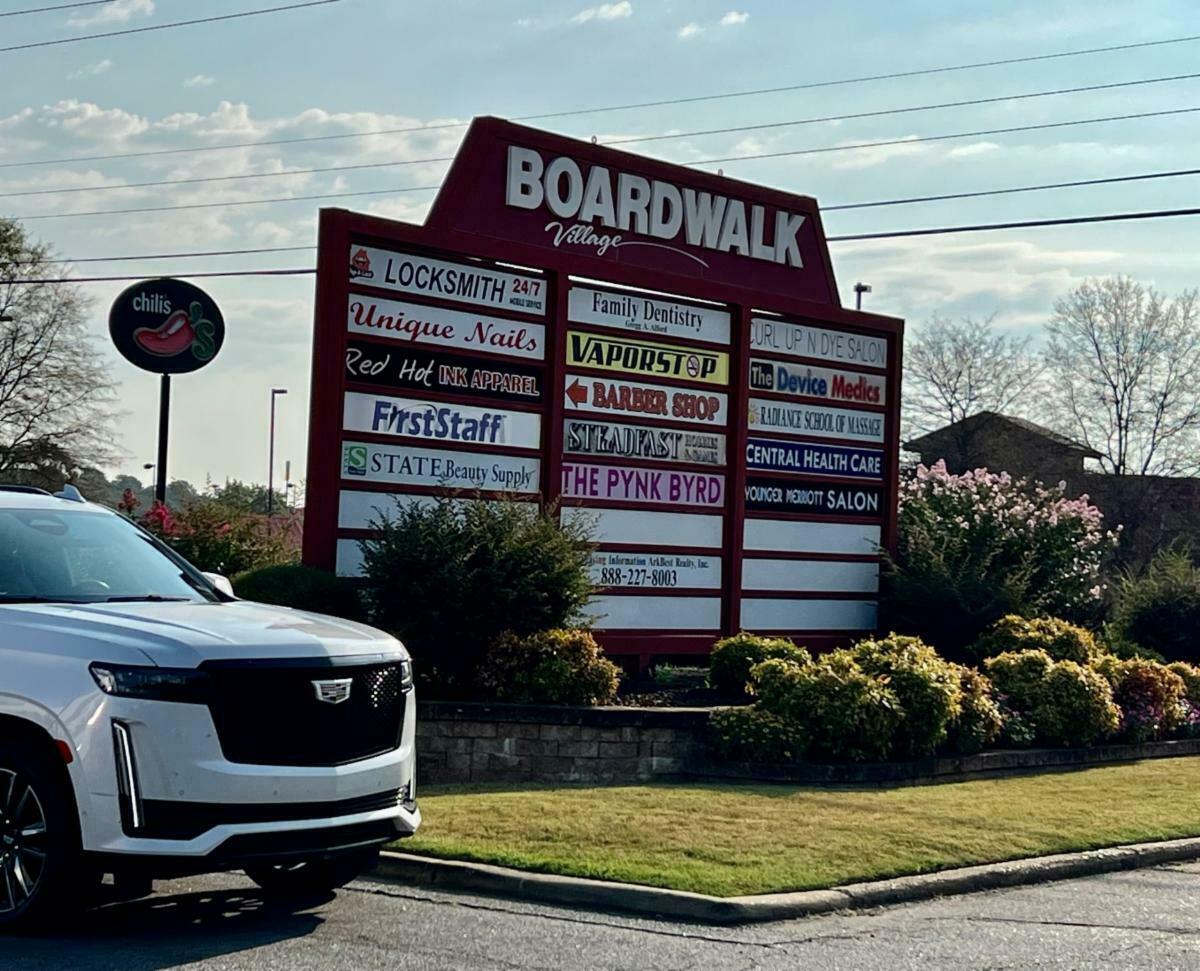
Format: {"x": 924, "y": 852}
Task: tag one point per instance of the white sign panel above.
{"x": 643, "y": 527}
{"x": 806, "y": 381}
{"x": 802, "y": 340}
{"x": 655, "y": 613}
{"x": 402, "y": 465}
{"x": 359, "y": 510}
{"x": 438, "y": 421}
{"x": 655, "y": 570}
{"x": 464, "y": 282}
{"x": 761, "y": 614}
{"x": 636, "y": 399}
{"x": 646, "y": 315}
{"x": 349, "y": 558}
{"x": 815, "y": 421}
{"x": 419, "y": 325}
{"x": 643, "y": 442}
{"x": 810, "y": 576}
{"x": 802, "y": 537}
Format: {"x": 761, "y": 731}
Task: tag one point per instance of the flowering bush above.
{"x": 926, "y": 688}
{"x": 979, "y": 719}
{"x": 753, "y": 735}
{"x": 1191, "y": 681}
{"x": 216, "y": 538}
{"x": 1059, "y": 639}
{"x": 975, "y": 547}
{"x": 733, "y": 657}
{"x": 848, "y": 714}
{"x": 1150, "y": 695}
{"x": 553, "y": 667}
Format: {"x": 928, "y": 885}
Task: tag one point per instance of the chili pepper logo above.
{"x": 182, "y": 331}
{"x": 360, "y": 265}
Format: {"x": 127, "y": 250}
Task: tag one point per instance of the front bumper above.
{"x": 193, "y": 804}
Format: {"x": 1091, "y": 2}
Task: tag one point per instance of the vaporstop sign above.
{"x": 654, "y": 350}
{"x": 166, "y": 326}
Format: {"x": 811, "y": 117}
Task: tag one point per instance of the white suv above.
{"x": 151, "y": 724}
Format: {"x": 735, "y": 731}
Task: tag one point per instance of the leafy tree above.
{"x": 248, "y": 496}
{"x": 56, "y": 395}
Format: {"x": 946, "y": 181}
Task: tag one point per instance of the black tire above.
{"x": 310, "y": 878}
{"x": 40, "y": 873}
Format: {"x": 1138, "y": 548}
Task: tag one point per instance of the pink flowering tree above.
{"x": 977, "y": 546}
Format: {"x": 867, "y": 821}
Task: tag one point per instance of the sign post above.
{"x": 661, "y": 351}
{"x": 166, "y": 326}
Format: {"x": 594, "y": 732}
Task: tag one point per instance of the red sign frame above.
{"x": 465, "y": 226}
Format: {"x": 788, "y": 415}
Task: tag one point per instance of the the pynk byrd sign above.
{"x": 655, "y": 486}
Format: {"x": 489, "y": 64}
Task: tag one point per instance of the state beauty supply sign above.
{"x": 656, "y": 349}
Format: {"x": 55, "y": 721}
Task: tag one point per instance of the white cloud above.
{"x": 199, "y": 81}
{"x": 92, "y": 70}
{"x": 117, "y": 12}
{"x": 735, "y": 18}
{"x": 527, "y": 21}
{"x": 690, "y": 30}
{"x": 975, "y": 148}
{"x": 605, "y": 11}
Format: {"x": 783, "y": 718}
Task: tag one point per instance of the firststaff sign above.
{"x": 657, "y": 351}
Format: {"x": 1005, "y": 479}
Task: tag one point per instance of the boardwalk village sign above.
{"x": 657, "y": 349}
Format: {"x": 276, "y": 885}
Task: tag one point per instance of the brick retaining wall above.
{"x": 543, "y": 743}
{"x": 473, "y": 742}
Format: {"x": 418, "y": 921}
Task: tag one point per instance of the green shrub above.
{"x": 1063, "y": 641}
{"x": 1018, "y": 676}
{"x": 974, "y": 547}
{"x": 1150, "y": 696}
{"x": 552, "y": 667}
{"x": 1075, "y": 706}
{"x": 979, "y": 719}
{"x": 749, "y": 734}
{"x": 1160, "y": 609}
{"x": 303, "y": 587}
{"x": 449, "y": 578}
{"x": 732, "y": 658}
{"x": 926, "y": 686}
{"x": 222, "y": 539}
{"x": 1190, "y": 675}
{"x": 847, "y": 714}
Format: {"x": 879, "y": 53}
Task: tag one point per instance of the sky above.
{"x": 360, "y": 65}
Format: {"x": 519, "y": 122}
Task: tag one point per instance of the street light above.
{"x": 149, "y": 467}
{"x": 859, "y": 290}
{"x": 271, "y": 457}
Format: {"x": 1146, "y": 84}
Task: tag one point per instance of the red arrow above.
{"x": 577, "y": 393}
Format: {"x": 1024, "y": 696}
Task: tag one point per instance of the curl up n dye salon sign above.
{"x": 653, "y": 349}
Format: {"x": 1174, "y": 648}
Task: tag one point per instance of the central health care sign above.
{"x": 653, "y": 349}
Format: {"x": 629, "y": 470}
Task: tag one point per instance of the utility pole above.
{"x": 275, "y": 392}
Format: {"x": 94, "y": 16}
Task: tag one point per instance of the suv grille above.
{"x": 268, "y": 713}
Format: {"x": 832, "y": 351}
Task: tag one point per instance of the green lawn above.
{"x": 737, "y": 839}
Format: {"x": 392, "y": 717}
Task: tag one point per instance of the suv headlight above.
{"x": 406, "y": 675}
{"x": 185, "y": 685}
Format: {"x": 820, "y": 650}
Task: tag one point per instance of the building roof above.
{"x": 947, "y": 434}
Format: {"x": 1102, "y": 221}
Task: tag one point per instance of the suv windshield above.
{"x": 87, "y": 557}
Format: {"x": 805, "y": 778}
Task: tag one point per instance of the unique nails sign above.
{"x": 414, "y": 323}
{"x": 166, "y": 326}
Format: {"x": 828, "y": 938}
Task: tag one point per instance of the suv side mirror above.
{"x": 220, "y": 582}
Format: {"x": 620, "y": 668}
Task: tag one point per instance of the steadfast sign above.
{"x": 655, "y": 352}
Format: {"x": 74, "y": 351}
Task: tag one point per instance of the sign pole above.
{"x": 164, "y": 418}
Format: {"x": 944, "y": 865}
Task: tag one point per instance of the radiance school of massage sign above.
{"x": 657, "y": 349}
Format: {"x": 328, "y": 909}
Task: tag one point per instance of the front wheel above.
{"x": 312, "y": 877}
{"x": 39, "y": 843}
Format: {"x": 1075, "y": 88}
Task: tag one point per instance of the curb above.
{"x": 456, "y": 875}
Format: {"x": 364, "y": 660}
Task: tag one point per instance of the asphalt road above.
{"x": 1140, "y": 919}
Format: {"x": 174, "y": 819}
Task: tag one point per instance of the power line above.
{"x": 1012, "y": 189}
{"x": 712, "y": 161}
{"x": 61, "y": 6}
{"x": 302, "y": 271}
{"x": 832, "y": 208}
{"x": 177, "y": 23}
{"x": 947, "y": 137}
{"x": 1024, "y": 224}
{"x": 622, "y": 141}
{"x": 609, "y": 108}
{"x": 223, "y": 205}
{"x": 899, "y": 111}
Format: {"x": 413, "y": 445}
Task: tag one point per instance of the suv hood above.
{"x": 186, "y": 634}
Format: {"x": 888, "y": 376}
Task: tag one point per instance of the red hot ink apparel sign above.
{"x": 593, "y": 329}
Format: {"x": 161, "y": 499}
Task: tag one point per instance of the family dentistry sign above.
{"x": 655, "y": 349}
